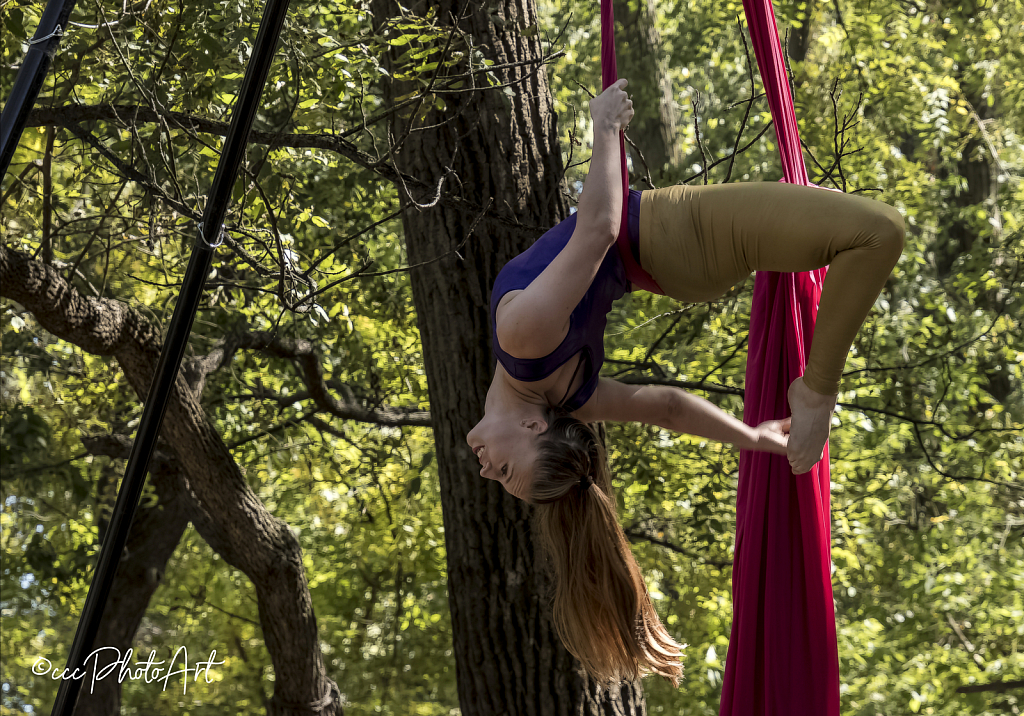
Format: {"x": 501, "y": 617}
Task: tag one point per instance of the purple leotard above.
{"x": 588, "y": 319}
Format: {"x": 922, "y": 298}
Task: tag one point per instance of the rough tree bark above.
{"x": 501, "y": 150}
{"x": 224, "y": 510}
{"x": 155, "y": 534}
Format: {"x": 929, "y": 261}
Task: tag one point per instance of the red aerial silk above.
{"x": 609, "y": 75}
{"x": 783, "y": 658}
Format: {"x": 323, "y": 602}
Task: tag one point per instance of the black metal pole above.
{"x": 41, "y": 49}
{"x": 170, "y": 357}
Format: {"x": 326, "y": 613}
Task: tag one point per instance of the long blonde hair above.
{"x": 601, "y": 609}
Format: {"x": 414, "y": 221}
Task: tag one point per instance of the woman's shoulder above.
{"x": 521, "y": 270}
{"x": 549, "y": 244}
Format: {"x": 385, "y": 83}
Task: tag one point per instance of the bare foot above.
{"x": 812, "y": 421}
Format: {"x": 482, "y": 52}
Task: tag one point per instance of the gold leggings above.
{"x": 697, "y": 242}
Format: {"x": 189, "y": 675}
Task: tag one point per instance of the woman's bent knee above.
{"x": 889, "y": 231}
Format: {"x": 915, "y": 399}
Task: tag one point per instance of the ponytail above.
{"x": 601, "y": 609}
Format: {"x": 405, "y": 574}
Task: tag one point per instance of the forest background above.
{"x": 308, "y": 470}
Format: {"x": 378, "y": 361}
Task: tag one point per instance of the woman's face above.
{"x": 506, "y": 450}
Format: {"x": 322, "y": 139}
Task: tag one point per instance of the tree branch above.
{"x": 221, "y": 504}
{"x": 71, "y": 116}
{"x": 307, "y": 361}
{"x": 636, "y": 534}
{"x": 995, "y": 686}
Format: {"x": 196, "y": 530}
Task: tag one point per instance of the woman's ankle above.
{"x": 818, "y": 388}
{"x": 808, "y": 393}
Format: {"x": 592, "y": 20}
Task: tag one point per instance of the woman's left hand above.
{"x": 772, "y": 436}
{"x": 612, "y": 108}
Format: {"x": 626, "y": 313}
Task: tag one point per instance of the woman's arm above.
{"x": 533, "y": 323}
{"x": 674, "y": 409}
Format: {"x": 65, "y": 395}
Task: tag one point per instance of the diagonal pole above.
{"x": 170, "y": 359}
{"x": 41, "y": 49}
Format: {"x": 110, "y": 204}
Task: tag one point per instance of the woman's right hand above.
{"x": 772, "y": 436}
{"x": 612, "y": 109}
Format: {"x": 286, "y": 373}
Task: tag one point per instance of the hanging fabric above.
{"x": 783, "y": 658}
{"x": 609, "y": 75}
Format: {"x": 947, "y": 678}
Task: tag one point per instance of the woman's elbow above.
{"x": 673, "y": 407}
{"x": 609, "y": 228}
{"x": 602, "y": 231}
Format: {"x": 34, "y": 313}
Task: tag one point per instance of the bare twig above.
{"x": 664, "y": 334}
{"x": 647, "y": 170}
{"x": 995, "y": 686}
{"x": 472, "y": 228}
{"x": 721, "y": 364}
{"x": 750, "y": 103}
{"x": 70, "y": 115}
{"x": 836, "y": 135}
{"x": 697, "y": 104}
{"x": 714, "y": 164}
{"x": 19, "y": 180}
{"x": 351, "y": 237}
{"x": 96, "y": 231}
{"x": 959, "y": 478}
{"x": 635, "y": 533}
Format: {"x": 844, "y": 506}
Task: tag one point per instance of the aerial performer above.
{"x": 549, "y": 308}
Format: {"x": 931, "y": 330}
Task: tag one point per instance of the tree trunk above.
{"x": 973, "y": 165}
{"x": 154, "y": 535}
{"x": 641, "y": 61}
{"x": 502, "y": 150}
{"x": 221, "y": 505}
{"x": 800, "y": 37}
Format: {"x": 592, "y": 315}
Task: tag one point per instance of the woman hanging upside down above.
{"x": 548, "y": 310}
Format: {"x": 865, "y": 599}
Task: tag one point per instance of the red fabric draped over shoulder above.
{"x": 783, "y": 658}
